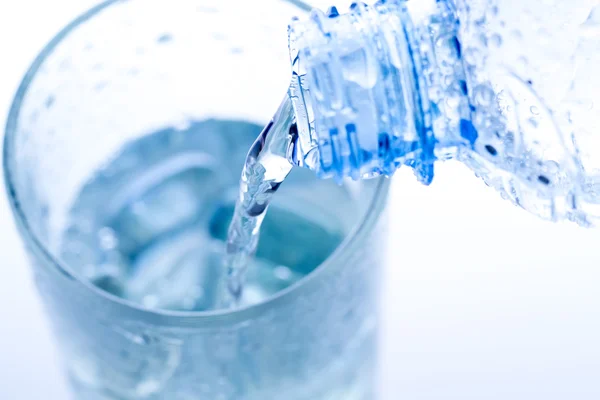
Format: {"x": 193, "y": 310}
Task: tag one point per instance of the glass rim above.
{"x": 377, "y": 203}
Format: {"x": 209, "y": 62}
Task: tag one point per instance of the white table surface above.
{"x": 482, "y": 301}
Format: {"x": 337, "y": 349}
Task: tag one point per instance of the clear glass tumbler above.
{"x": 123, "y": 150}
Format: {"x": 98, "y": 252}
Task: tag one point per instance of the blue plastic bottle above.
{"x": 506, "y": 87}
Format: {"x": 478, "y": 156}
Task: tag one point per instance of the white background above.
{"x": 482, "y": 301}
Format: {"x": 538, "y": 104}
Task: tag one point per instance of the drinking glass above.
{"x": 123, "y": 150}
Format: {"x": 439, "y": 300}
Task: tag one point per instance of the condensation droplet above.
{"x": 552, "y": 166}
{"x": 164, "y": 38}
{"x": 108, "y": 238}
{"x": 453, "y": 101}
{"x": 534, "y": 110}
{"x": 496, "y": 40}
{"x": 49, "y": 101}
{"x": 522, "y": 61}
{"x": 100, "y": 86}
{"x": 533, "y": 122}
{"x": 139, "y": 207}
{"x": 517, "y": 34}
{"x": 282, "y": 273}
{"x": 472, "y": 56}
{"x": 146, "y": 388}
{"x": 483, "y": 95}
{"x": 183, "y": 124}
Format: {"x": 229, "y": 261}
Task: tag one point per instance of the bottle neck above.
{"x": 378, "y": 87}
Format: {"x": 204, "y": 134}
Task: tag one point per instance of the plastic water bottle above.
{"x": 507, "y": 87}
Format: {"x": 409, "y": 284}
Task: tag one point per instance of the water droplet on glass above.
{"x": 552, "y": 166}
{"x": 517, "y": 34}
{"x": 533, "y": 122}
{"x": 522, "y": 61}
{"x": 108, "y": 238}
{"x": 100, "y": 86}
{"x": 49, "y": 101}
{"x": 139, "y": 208}
{"x": 283, "y": 273}
{"x": 472, "y": 56}
{"x": 534, "y": 110}
{"x": 219, "y": 36}
{"x": 164, "y": 38}
{"x": 483, "y": 39}
{"x": 146, "y": 388}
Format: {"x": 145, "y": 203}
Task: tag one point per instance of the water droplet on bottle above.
{"x": 517, "y": 34}
{"x": 543, "y": 180}
{"x": 496, "y": 40}
{"x": 472, "y": 56}
{"x": 453, "y": 101}
{"x": 552, "y": 166}
{"x": 483, "y": 95}
{"x": 534, "y": 110}
{"x": 491, "y": 149}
